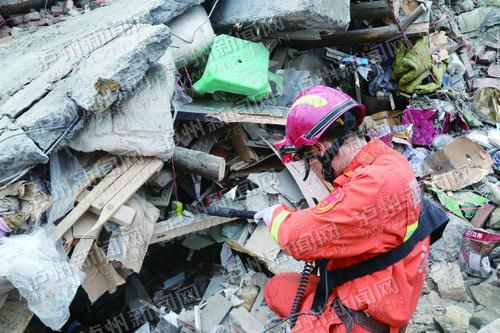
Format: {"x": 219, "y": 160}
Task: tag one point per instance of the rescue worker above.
{"x": 373, "y": 207}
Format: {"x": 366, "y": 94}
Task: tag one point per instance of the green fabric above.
{"x": 411, "y": 69}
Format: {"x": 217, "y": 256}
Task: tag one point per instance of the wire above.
{"x": 29, "y": 131}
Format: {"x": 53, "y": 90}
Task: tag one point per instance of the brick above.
{"x": 57, "y": 11}
{"x": 485, "y": 82}
{"x": 33, "y": 16}
{"x": 42, "y": 22}
{"x": 487, "y": 57}
{"x": 469, "y": 71}
{"x": 482, "y": 215}
{"x": 492, "y": 46}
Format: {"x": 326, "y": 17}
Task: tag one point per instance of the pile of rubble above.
{"x": 125, "y": 125}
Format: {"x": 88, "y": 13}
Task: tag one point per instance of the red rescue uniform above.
{"x": 374, "y": 208}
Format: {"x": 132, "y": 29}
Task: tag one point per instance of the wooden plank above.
{"x": 176, "y": 227}
{"x": 81, "y": 251}
{"x": 251, "y": 118}
{"x": 124, "y": 216}
{"x": 120, "y": 183}
{"x": 85, "y": 204}
{"x": 134, "y": 182}
{"x": 83, "y": 229}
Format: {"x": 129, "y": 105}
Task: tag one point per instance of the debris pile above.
{"x": 125, "y": 125}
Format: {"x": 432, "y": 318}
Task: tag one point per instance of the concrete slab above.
{"x": 281, "y": 15}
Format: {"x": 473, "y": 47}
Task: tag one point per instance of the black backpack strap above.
{"x": 431, "y": 219}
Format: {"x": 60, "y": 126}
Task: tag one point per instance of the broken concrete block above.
{"x": 455, "y": 320}
{"x": 17, "y": 151}
{"x": 216, "y": 309}
{"x": 140, "y": 124}
{"x": 66, "y": 43}
{"x": 280, "y": 15}
{"x": 242, "y": 318}
{"x": 449, "y": 280}
{"x": 51, "y": 118}
{"x": 447, "y": 248}
{"x": 486, "y": 295}
{"x": 116, "y": 67}
{"x": 494, "y": 221}
{"x": 428, "y": 307}
{"x": 471, "y": 21}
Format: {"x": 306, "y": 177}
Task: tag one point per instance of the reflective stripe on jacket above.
{"x": 374, "y": 207}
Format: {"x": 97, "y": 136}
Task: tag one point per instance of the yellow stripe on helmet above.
{"x": 313, "y": 100}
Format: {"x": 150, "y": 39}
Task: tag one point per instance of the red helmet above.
{"x": 312, "y": 112}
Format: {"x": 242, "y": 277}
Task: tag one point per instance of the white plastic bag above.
{"x": 38, "y": 267}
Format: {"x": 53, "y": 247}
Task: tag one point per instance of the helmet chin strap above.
{"x": 326, "y": 161}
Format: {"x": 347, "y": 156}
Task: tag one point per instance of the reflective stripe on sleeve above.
{"x": 277, "y": 223}
{"x": 410, "y": 230}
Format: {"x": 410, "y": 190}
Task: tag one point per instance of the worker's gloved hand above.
{"x": 265, "y": 214}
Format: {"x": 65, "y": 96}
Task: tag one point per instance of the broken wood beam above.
{"x": 200, "y": 163}
{"x": 179, "y": 226}
{"x": 378, "y": 34}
